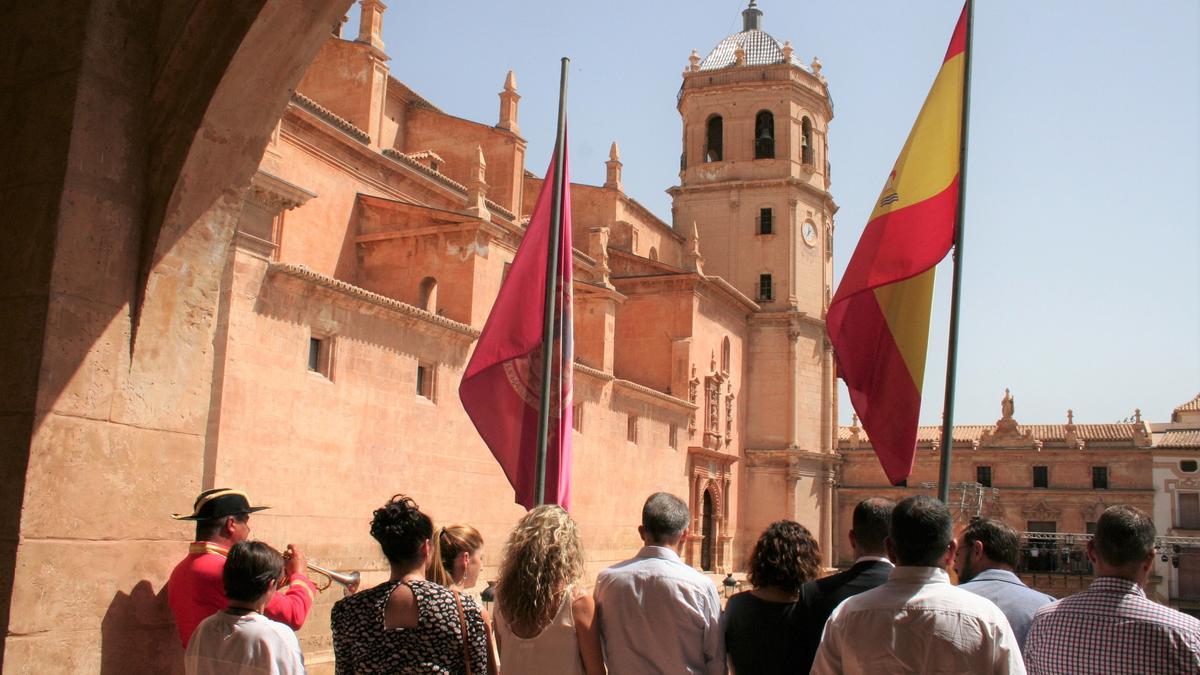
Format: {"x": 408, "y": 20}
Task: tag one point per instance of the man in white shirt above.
{"x": 657, "y": 614}
{"x": 917, "y": 622}
{"x": 239, "y": 640}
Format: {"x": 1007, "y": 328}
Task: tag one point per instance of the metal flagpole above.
{"x": 952, "y": 352}
{"x": 548, "y": 323}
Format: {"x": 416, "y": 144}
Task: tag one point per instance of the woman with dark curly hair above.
{"x": 762, "y": 626}
{"x": 407, "y": 624}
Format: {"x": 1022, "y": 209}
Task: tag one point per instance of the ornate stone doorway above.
{"x": 709, "y": 545}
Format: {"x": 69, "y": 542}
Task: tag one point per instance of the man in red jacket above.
{"x": 196, "y": 590}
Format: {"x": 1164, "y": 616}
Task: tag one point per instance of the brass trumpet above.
{"x": 349, "y": 581}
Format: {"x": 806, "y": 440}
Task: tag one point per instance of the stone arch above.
{"x": 807, "y": 149}
{"x": 653, "y": 254}
{"x": 180, "y": 100}
{"x": 764, "y": 135}
{"x": 427, "y": 295}
{"x": 714, "y": 138}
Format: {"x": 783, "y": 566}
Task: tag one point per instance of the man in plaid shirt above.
{"x": 1112, "y": 627}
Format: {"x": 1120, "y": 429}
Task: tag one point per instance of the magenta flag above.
{"x": 502, "y": 387}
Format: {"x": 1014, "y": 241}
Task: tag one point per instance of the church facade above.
{"x": 375, "y": 237}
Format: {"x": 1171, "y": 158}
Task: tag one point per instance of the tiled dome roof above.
{"x": 761, "y": 49}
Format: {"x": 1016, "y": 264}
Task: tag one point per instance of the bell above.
{"x": 765, "y": 135}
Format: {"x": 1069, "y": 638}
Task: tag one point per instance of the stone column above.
{"x": 793, "y": 336}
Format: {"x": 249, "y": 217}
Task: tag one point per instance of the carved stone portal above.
{"x": 709, "y": 546}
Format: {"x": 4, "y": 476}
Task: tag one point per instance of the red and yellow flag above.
{"x": 878, "y": 320}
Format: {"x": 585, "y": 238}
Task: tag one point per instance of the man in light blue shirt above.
{"x": 985, "y": 560}
{"x": 657, "y": 614}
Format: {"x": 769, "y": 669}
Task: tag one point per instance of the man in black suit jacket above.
{"x": 871, "y": 568}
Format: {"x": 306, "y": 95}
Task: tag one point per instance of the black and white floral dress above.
{"x": 361, "y": 643}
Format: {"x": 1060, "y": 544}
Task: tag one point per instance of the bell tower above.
{"x": 754, "y": 178}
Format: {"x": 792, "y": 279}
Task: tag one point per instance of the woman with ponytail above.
{"x": 455, "y": 562}
{"x": 457, "y": 557}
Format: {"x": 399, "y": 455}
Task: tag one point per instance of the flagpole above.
{"x": 548, "y": 324}
{"x": 952, "y": 352}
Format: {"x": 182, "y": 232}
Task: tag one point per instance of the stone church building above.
{"x": 372, "y": 243}
{"x": 242, "y": 253}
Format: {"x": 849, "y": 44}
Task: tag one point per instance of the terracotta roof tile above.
{"x": 1189, "y": 438}
{"x": 1042, "y": 432}
{"x": 1190, "y": 406}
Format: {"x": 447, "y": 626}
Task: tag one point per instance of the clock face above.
{"x": 809, "y": 232}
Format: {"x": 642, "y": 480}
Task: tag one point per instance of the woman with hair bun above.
{"x": 761, "y": 625}
{"x": 407, "y": 624}
{"x": 545, "y": 619}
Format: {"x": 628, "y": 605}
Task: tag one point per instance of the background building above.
{"x": 1051, "y": 482}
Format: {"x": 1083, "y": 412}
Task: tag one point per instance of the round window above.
{"x": 1188, "y": 466}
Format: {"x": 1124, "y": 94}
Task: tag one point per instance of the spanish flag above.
{"x": 878, "y": 320}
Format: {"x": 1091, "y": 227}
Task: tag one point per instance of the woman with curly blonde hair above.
{"x": 545, "y": 619}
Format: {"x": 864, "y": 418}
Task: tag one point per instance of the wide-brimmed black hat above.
{"x": 219, "y": 503}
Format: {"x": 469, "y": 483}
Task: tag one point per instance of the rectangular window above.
{"x": 631, "y": 429}
{"x": 983, "y": 475}
{"x": 320, "y": 355}
{"x": 1041, "y": 477}
{"x": 1090, "y": 527}
{"x": 766, "y": 292}
{"x": 1188, "y": 562}
{"x": 314, "y": 354}
{"x": 1189, "y": 511}
{"x": 902, "y": 483}
{"x": 426, "y": 376}
{"x": 673, "y": 437}
{"x": 577, "y": 417}
{"x": 766, "y": 223}
{"x": 1099, "y": 477}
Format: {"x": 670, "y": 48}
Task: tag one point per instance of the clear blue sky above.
{"x": 1081, "y": 285}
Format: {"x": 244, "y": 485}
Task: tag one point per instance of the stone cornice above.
{"x": 785, "y": 457}
{"x": 742, "y": 185}
{"x": 786, "y": 319}
{"x": 593, "y": 372}
{"x": 400, "y": 157}
{"x": 273, "y": 191}
{"x": 694, "y": 280}
{"x": 326, "y": 114}
{"x": 302, "y": 273}
{"x": 721, "y": 458}
{"x": 652, "y": 396}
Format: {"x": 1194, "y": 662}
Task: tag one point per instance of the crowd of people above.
{"x": 895, "y": 610}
